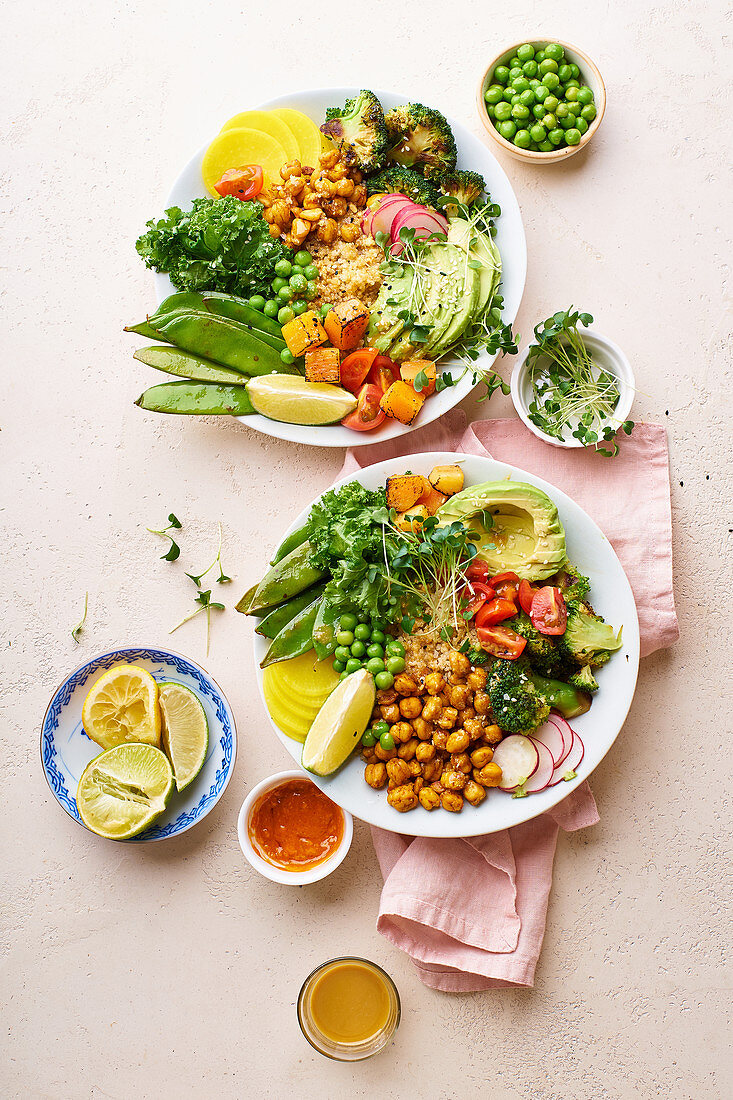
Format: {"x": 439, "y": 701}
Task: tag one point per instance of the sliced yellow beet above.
{"x": 305, "y": 131}
{"x": 234, "y": 148}
{"x": 295, "y": 690}
{"x": 268, "y": 123}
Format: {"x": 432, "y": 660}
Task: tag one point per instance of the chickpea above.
{"x": 481, "y": 702}
{"x": 327, "y": 231}
{"x": 300, "y": 230}
{"x": 474, "y": 727}
{"x": 415, "y": 768}
{"x": 440, "y": 740}
{"x": 423, "y": 729}
{"x": 387, "y": 695}
{"x": 450, "y": 801}
{"x": 349, "y": 232}
{"x": 481, "y": 756}
{"x": 281, "y": 212}
{"x": 476, "y": 679}
{"x": 311, "y": 201}
{"x": 401, "y": 731}
{"x": 432, "y": 770}
{"x": 429, "y": 799}
{"x": 360, "y": 194}
{"x": 376, "y": 713}
{"x": 465, "y": 714}
{"x": 335, "y": 208}
{"x": 437, "y": 787}
{"x": 405, "y": 685}
{"x": 368, "y": 756}
{"x": 344, "y": 188}
{"x": 409, "y": 749}
{"x": 474, "y": 793}
{"x": 461, "y": 762}
{"x": 275, "y": 231}
{"x": 448, "y": 718}
{"x": 459, "y": 696}
{"x": 457, "y": 742}
{"x": 398, "y": 772}
{"x": 375, "y": 775}
{"x": 459, "y": 663}
{"x": 489, "y": 775}
{"x": 417, "y": 784}
{"x": 453, "y": 780}
{"x": 411, "y": 707}
{"x": 424, "y": 752}
{"x": 311, "y": 216}
{"x": 493, "y": 735}
{"x": 390, "y": 713}
{"x": 384, "y": 754}
{"x": 432, "y": 709}
{"x": 434, "y": 683}
{"x": 329, "y": 158}
{"x": 292, "y": 168}
{"x": 402, "y": 798}
{"x": 268, "y": 215}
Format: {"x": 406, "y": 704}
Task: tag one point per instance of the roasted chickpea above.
{"x": 453, "y": 780}
{"x": 405, "y": 685}
{"x": 493, "y": 735}
{"x": 345, "y": 188}
{"x": 432, "y": 770}
{"x": 474, "y": 793}
{"x": 482, "y": 755}
{"x": 440, "y": 739}
{"x": 450, "y": 801}
{"x": 329, "y": 159}
{"x": 409, "y": 749}
{"x": 384, "y": 754}
{"x": 438, "y": 787}
{"x": 481, "y": 702}
{"x": 434, "y": 683}
{"x": 458, "y": 696}
{"x": 476, "y": 679}
{"x": 390, "y": 713}
{"x": 461, "y": 762}
{"x": 375, "y": 775}
{"x": 457, "y": 742}
{"x": 360, "y": 194}
{"x": 465, "y": 714}
{"x": 401, "y": 731}
{"x": 417, "y": 784}
{"x": 327, "y": 231}
{"x": 411, "y": 707}
{"x": 489, "y": 775}
{"x": 429, "y": 799}
{"x": 386, "y": 696}
{"x": 432, "y": 709}
{"x": 415, "y": 768}
{"x": 398, "y": 772}
{"x": 474, "y": 727}
{"x": 424, "y": 752}
{"x": 459, "y": 663}
{"x": 349, "y": 232}
{"x": 448, "y": 718}
{"x": 423, "y": 729}
{"x": 402, "y": 798}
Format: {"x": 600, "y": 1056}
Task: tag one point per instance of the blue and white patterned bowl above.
{"x": 66, "y": 750}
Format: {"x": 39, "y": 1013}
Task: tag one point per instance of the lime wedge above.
{"x": 339, "y": 724}
{"x": 184, "y": 732}
{"x": 123, "y": 790}
{"x": 292, "y": 400}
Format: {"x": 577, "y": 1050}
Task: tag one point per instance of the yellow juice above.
{"x": 350, "y": 1002}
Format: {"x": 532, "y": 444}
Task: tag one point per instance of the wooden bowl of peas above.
{"x": 541, "y": 101}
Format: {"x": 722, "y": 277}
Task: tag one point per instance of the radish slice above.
{"x": 421, "y": 220}
{"x": 551, "y": 737}
{"x": 565, "y": 732}
{"x": 570, "y": 764}
{"x": 545, "y": 768}
{"x": 518, "y": 758}
{"x": 384, "y": 217}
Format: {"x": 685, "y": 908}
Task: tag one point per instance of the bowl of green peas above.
{"x": 542, "y": 101}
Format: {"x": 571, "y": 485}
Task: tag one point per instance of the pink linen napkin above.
{"x": 471, "y": 912}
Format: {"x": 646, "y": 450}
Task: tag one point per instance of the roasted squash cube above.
{"x": 402, "y": 402}
{"x": 323, "y": 365}
{"x": 432, "y": 499}
{"x": 303, "y": 333}
{"x": 446, "y": 479}
{"x": 412, "y": 519}
{"x": 410, "y": 370}
{"x": 346, "y": 323}
{"x": 404, "y": 490}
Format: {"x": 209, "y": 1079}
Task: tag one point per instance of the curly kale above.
{"x": 406, "y": 181}
{"x": 347, "y": 523}
{"x": 358, "y": 130}
{"x": 420, "y": 137}
{"x": 219, "y": 244}
{"x": 516, "y": 705}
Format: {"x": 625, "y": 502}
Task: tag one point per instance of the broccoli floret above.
{"x": 541, "y": 651}
{"x": 573, "y": 585}
{"x": 584, "y": 680}
{"x": 588, "y": 639}
{"x": 516, "y": 704}
{"x": 477, "y": 656}
{"x": 464, "y": 187}
{"x": 359, "y": 131}
{"x": 406, "y": 181}
{"x": 420, "y": 137}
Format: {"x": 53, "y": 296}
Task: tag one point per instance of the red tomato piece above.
{"x": 355, "y": 368}
{"x": 500, "y": 641}
{"x": 367, "y": 414}
{"x": 476, "y": 593}
{"x": 504, "y": 578}
{"x": 495, "y": 611}
{"x": 549, "y": 614}
{"x": 526, "y": 595}
{"x": 478, "y": 570}
{"x": 508, "y": 591}
{"x": 244, "y": 183}
{"x": 383, "y": 372}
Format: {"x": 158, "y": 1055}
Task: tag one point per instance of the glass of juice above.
{"x": 348, "y": 1009}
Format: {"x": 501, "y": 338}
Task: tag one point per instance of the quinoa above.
{"x": 347, "y": 270}
{"x": 428, "y": 652}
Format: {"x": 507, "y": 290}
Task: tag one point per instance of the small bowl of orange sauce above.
{"x": 348, "y": 1009}
{"x": 291, "y": 832}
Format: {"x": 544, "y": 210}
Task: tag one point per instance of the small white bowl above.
{"x": 278, "y": 874}
{"x": 607, "y": 354}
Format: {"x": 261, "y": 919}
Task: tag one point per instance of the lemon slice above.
{"x": 122, "y": 706}
{"x": 339, "y": 724}
{"x": 292, "y": 400}
{"x": 185, "y": 732}
{"x": 123, "y": 790}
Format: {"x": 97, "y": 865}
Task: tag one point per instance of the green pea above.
{"x": 529, "y": 68}
{"x": 299, "y": 306}
{"x": 585, "y": 95}
{"x": 384, "y": 681}
{"x": 514, "y": 63}
{"x": 589, "y": 112}
{"x": 571, "y": 94}
{"x": 551, "y": 80}
{"x": 348, "y": 621}
{"x": 538, "y": 132}
{"x": 362, "y": 632}
{"x": 358, "y": 649}
{"x": 572, "y": 136}
{"x": 567, "y": 123}
{"x": 368, "y": 739}
{"x": 581, "y": 125}
{"x": 380, "y": 727}
{"x": 535, "y": 84}
{"x": 520, "y": 112}
{"x": 342, "y": 653}
{"x": 326, "y": 308}
{"x": 287, "y": 356}
{"x": 303, "y": 258}
{"x": 525, "y": 52}
{"x": 298, "y": 283}
{"x": 545, "y": 147}
{"x": 549, "y": 121}
{"x": 283, "y": 268}
{"x": 352, "y": 665}
{"x": 257, "y": 301}
{"x": 285, "y": 315}
{"x": 503, "y": 111}
{"x": 539, "y": 56}
{"x": 375, "y": 665}
{"x": 501, "y": 74}
{"x": 278, "y": 284}
{"x": 515, "y": 71}
{"x": 507, "y": 129}
{"x": 386, "y": 740}
{"x": 572, "y": 83}
{"x": 345, "y": 637}
{"x": 395, "y": 665}
{"x": 378, "y": 636}
{"x": 549, "y": 66}
{"x": 375, "y": 650}
{"x": 378, "y": 626}
{"x": 520, "y": 84}
{"x": 285, "y": 293}
{"x": 565, "y": 73}
{"x": 339, "y": 666}
{"x": 551, "y": 102}
{"x": 562, "y": 110}
{"x": 311, "y": 271}
{"x": 538, "y": 110}
{"x": 515, "y": 98}
{"x": 509, "y": 93}
{"x": 556, "y": 136}
{"x": 575, "y": 70}
{"x": 343, "y": 675}
{"x": 271, "y": 308}
{"x": 522, "y": 139}
{"x": 528, "y": 98}
{"x": 311, "y": 291}
{"x": 396, "y": 647}
{"x": 494, "y": 94}
{"x": 555, "y": 51}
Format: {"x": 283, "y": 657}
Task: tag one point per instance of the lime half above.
{"x": 339, "y": 724}
{"x": 123, "y": 790}
{"x": 185, "y": 731}
{"x": 292, "y": 400}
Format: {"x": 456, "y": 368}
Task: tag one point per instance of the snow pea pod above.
{"x": 324, "y": 631}
{"x": 563, "y": 697}
{"x": 292, "y": 575}
{"x": 295, "y": 638}
{"x": 279, "y": 617}
{"x": 196, "y": 399}
{"x": 222, "y": 340}
{"x": 173, "y": 361}
{"x": 228, "y": 305}
{"x": 290, "y": 542}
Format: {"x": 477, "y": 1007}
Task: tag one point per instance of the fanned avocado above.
{"x": 482, "y": 248}
{"x": 385, "y": 326}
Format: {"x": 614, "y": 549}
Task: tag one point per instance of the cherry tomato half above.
{"x": 500, "y": 641}
{"x": 526, "y": 595}
{"x": 244, "y": 183}
{"x": 549, "y": 614}
{"x": 383, "y": 372}
{"x": 355, "y": 368}
{"x": 504, "y": 578}
{"x": 495, "y": 611}
{"x": 367, "y": 414}
{"x": 508, "y": 591}
{"x": 476, "y": 594}
{"x": 478, "y": 570}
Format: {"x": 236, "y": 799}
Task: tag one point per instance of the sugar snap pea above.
{"x": 561, "y": 696}
{"x": 222, "y": 340}
{"x": 324, "y": 631}
{"x": 293, "y": 574}
{"x": 279, "y": 617}
{"x": 295, "y": 638}
{"x": 196, "y": 399}
{"x": 174, "y": 361}
{"x": 290, "y": 542}
{"x": 228, "y": 305}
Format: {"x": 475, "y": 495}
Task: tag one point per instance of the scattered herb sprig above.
{"x": 222, "y": 578}
{"x": 203, "y": 599}
{"x": 75, "y": 633}
{"x": 174, "y": 550}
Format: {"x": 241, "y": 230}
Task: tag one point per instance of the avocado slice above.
{"x": 481, "y": 247}
{"x": 524, "y": 534}
{"x": 394, "y": 296}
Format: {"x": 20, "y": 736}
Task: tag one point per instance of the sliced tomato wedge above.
{"x": 495, "y": 611}
{"x": 367, "y": 414}
{"x": 476, "y": 594}
{"x": 508, "y": 591}
{"x": 477, "y": 570}
{"x": 526, "y": 595}
{"x": 500, "y": 641}
{"x": 549, "y": 613}
{"x": 383, "y": 372}
{"x": 355, "y": 368}
{"x": 504, "y": 578}
{"x": 244, "y": 183}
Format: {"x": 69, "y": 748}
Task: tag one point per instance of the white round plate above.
{"x": 66, "y": 750}
{"x": 473, "y": 155}
{"x": 611, "y": 596}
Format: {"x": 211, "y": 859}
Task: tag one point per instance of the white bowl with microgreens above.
{"x": 609, "y": 362}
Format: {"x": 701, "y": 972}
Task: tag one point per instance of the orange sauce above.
{"x": 350, "y": 1002}
{"x": 294, "y": 826}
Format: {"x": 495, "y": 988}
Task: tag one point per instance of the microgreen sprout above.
{"x": 174, "y": 549}
{"x": 222, "y": 578}
{"x": 80, "y": 625}
{"x": 205, "y": 604}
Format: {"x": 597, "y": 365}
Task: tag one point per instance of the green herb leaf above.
{"x": 75, "y": 633}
